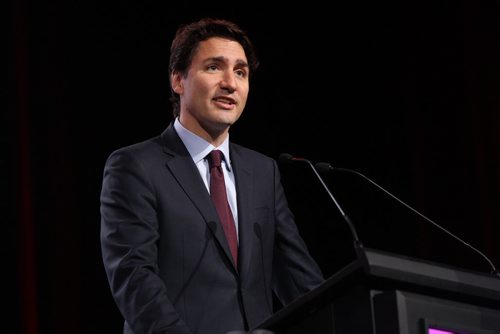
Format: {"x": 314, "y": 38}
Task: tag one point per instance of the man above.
{"x": 178, "y": 258}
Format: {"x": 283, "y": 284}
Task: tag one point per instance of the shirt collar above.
{"x": 198, "y": 147}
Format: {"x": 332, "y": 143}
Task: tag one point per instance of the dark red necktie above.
{"x": 219, "y": 197}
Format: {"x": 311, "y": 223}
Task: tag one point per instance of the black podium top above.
{"x": 380, "y": 270}
{"x": 429, "y": 275}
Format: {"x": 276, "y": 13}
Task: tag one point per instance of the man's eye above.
{"x": 212, "y": 67}
{"x": 241, "y": 73}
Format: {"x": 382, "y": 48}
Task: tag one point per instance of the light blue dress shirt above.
{"x": 199, "y": 148}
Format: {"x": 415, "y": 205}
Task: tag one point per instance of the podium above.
{"x": 385, "y": 293}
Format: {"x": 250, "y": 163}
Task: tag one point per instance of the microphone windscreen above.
{"x": 324, "y": 167}
{"x": 285, "y": 157}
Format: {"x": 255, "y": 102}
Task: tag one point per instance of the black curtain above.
{"x": 405, "y": 93}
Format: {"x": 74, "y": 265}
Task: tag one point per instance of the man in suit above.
{"x": 175, "y": 262}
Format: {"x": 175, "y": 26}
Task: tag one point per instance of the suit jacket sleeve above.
{"x": 295, "y": 272}
{"x": 129, "y": 234}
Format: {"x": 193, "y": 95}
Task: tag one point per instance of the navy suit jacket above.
{"x": 166, "y": 257}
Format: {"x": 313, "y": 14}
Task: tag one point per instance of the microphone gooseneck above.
{"x": 287, "y": 158}
{"x": 326, "y": 167}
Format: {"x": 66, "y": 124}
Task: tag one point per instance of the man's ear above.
{"x": 176, "y": 83}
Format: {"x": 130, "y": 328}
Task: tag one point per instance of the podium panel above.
{"x": 399, "y": 312}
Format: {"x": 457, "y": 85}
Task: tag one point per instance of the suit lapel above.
{"x": 182, "y": 167}
{"x": 244, "y": 189}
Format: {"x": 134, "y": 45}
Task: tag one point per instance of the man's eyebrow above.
{"x": 242, "y": 63}
{"x": 222, "y": 59}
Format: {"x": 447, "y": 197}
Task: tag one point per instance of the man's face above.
{"x": 214, "y": 92}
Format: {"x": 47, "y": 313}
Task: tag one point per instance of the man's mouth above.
{"x": 225, "y": 100}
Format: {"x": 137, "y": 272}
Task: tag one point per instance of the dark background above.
{"x": 407, "y": 93}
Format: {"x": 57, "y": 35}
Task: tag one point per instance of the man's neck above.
{"x": 212, "y": 135}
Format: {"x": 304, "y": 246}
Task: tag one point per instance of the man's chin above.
{"x": 225, "y": 122}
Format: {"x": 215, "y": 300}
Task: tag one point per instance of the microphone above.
{"x": 287, "y": 158}
{"x": 326, "y": 167}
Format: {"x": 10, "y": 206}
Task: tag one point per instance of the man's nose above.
{"x": 228, "y": 81}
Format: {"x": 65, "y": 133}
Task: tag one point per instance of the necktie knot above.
{"x": 214, "y": 158}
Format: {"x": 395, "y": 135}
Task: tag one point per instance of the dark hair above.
{"x": 187, "y": 39}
